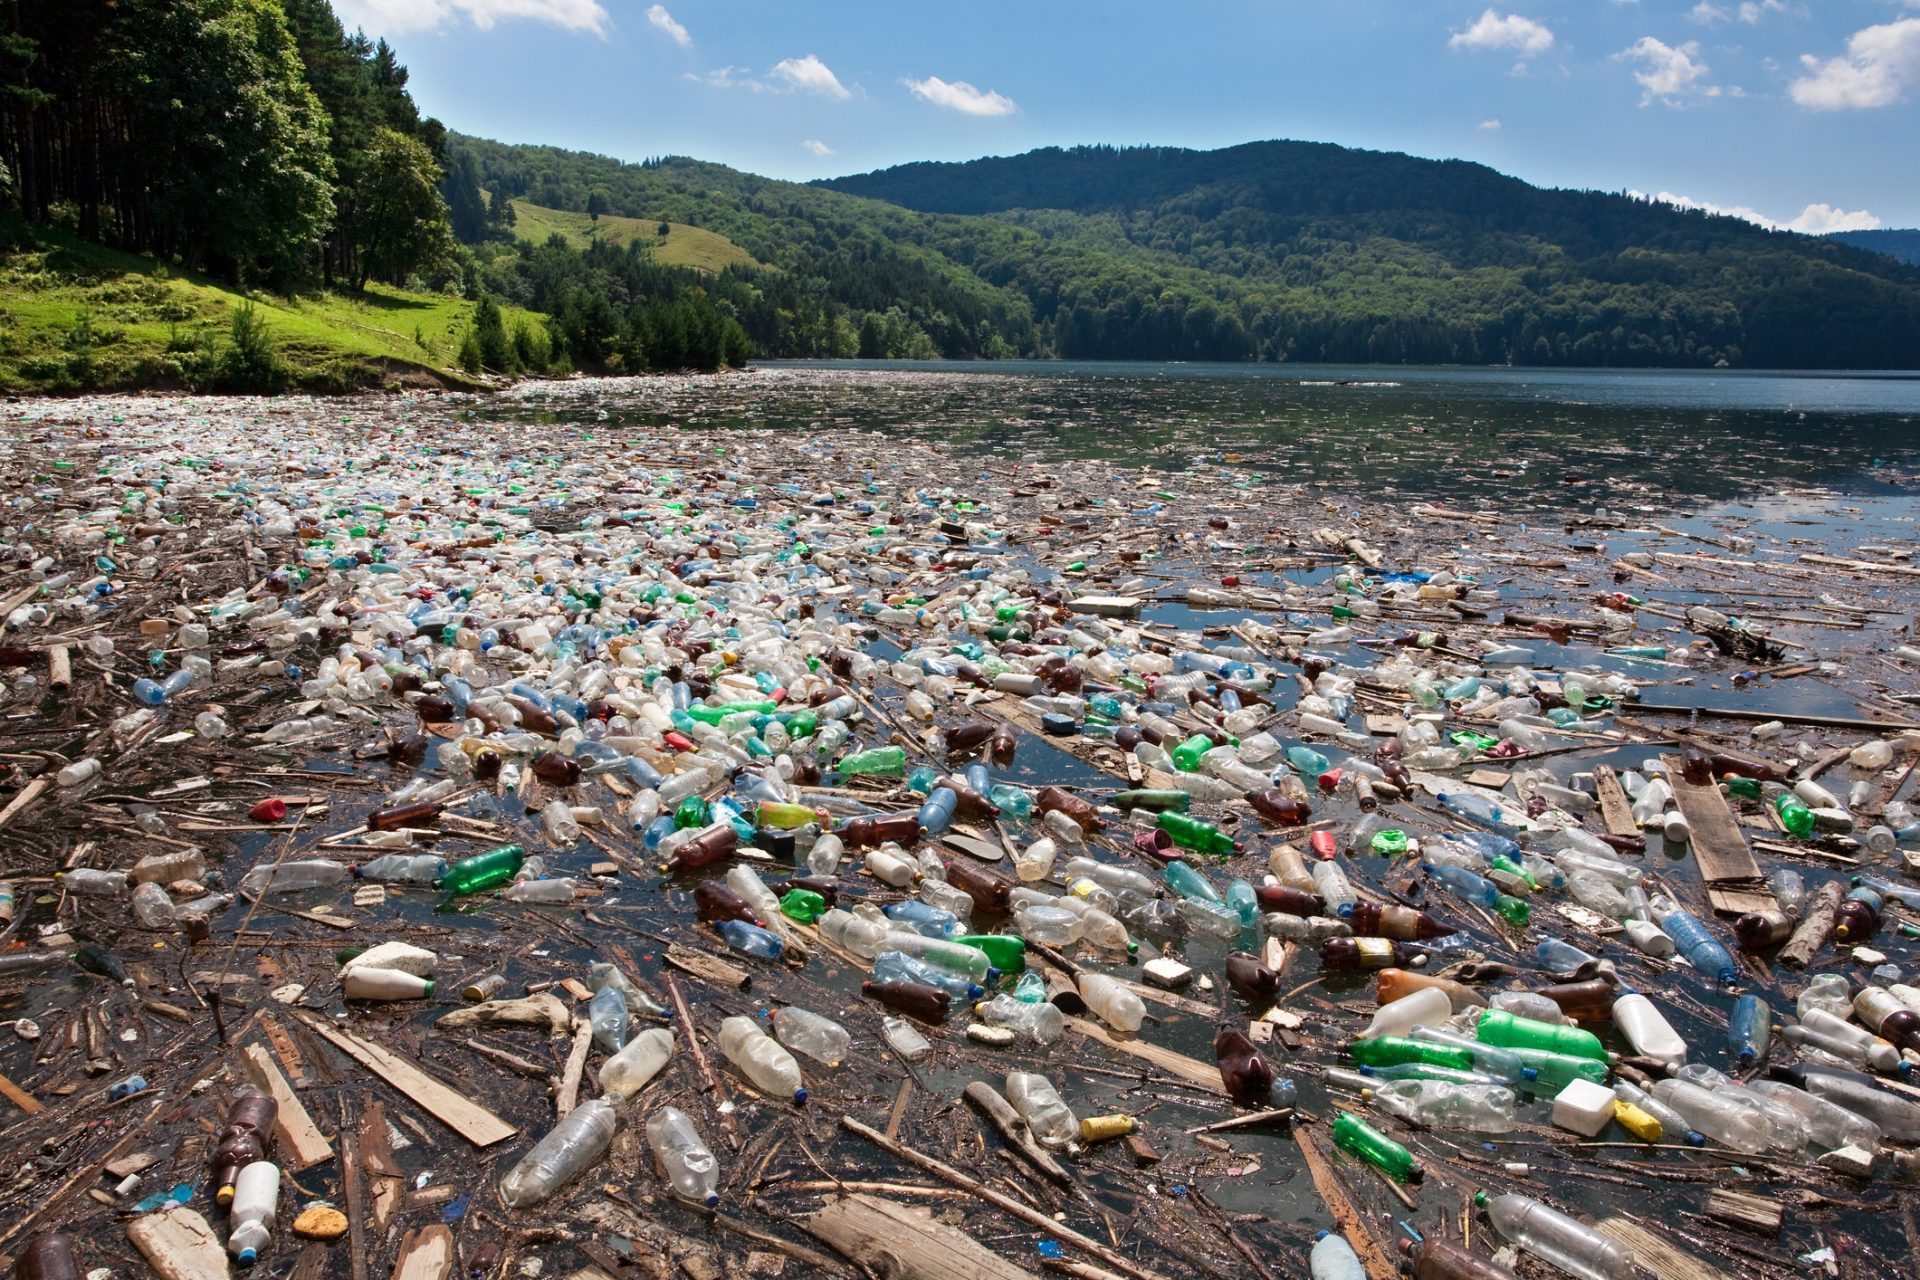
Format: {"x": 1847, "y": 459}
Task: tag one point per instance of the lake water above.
{"x": 1527, "y": 439}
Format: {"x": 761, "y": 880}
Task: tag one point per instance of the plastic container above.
{"x": 683, "y": 1157}
{"x": 637, "y": 1063}
{"x": 811, "y": 1035}
{"x": 568, "y": 1150}
{"x": 761, "y": 1059}
{"x": 1040, "y": 1105}
{"x": 256, "y": 1199}
{"x": 1553, "y": 1237}
{"x": 1648, "y": 1030}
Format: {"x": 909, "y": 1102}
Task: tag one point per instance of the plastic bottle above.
{"x": 1648, "y": 1030}
{"x": 1040, "y": 1105}
{"x": 1897, "y": 1118}
{"x": 48, "y": 1256}
{"x": 1883, "y": 1013}
{"x": 403, "y": 868}
{"x": 1436, "y": 1259}
{"x": 1869, "y": 1048}
{"x": 1497, "y": 1027}
{"x": 898, "y": 966}
{"x": 1112, "y": 1002}
{"x": 483, "y": 871}
{"x": 567, "y": 1151}
{"x": 1553, "y": 1237}
{"x": 1441, "y": 1104}
{"x": 1392, "y": 921}
{"x": 1042, "y": 1022}
{"x": 1749, "y": 1030}
{"x": 607, "y": 1016}
{"x": 293, "y": 877}
{"x": 808, "y": 1033}
{"x": 1334, "y": 1259}
{"x": 761, "y": 1059}
{"x": 369, "y": 982}
{"x": 1858, "y": 918}
{"x": 857, "y": 934}
{"x": 1718, "y": 1117}
{"x": 256, "y": 1198}
{"x": 1391, "y": 985}
{"x": 683, "y": 1157}
{"x": 1248, "y": 1077}
{"x": 1702, "y": 950}
{"x": 548, "y": 890}
{"x": 1829, "y": 1125}
{"x": 1425, "y": 1006}
{"x": 1357, "y": 1137}
{"x": 751, "y": 940}
{"x": 1331, "y": 883}
{"x": 152, "y": 907}
{"x": 247, "y": 1137}
{"x": 638, "y": 1061}
{"x": 901, "y": 1037}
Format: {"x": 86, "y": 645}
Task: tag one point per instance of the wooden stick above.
{"x": 351, "y": 1192}
{"x": 1245, "y": 1122}
{"x": 569, "y": 1091}
{"x": 1007, "y": 1204}
{"x": 301, "y": 1138}
{"x": 700, "y": 1062}
{"x": 468, "y": 1119}
{"x": 59, "y": 667}
{"x": 1001, "y": 1115}
{"x": 19, "y": 1097}
{"x": 28, "y": 794}
{"x": 1815, "y": 928}
{"x": 1379, "y": 1264}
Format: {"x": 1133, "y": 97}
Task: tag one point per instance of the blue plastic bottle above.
{"x": 750, "y": 939}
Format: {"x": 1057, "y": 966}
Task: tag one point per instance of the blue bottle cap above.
{"x": 799, "y": 1097}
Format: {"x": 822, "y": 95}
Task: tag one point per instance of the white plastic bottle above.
{"x": 683, "y": 1156}
{"x": 256, "y": 1198}
{"x": 639, "y": 1060}
{"x": 1648, "y": 1030}
{"x": 1112, "y": 1003}
{"x": 761, "y": 1059}
{"x": 365, "y": 982}
{"x": 1428, "y": 1007}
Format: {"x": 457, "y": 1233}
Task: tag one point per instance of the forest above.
{"x": 260, "y": 144}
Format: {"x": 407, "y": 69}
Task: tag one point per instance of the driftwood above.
{"x": 299, "y": 1135}
{"x": 179, "y": 1245}
{"x": 701, "y": 1063}
{"x": 1019, "y": 1209}
{"x": 1001, "y": 1115}
{"x": 426, "y": 1253}
{"x": 542, "y": 1010}
{"x": 1656, "y": 1254}
{"x": 1380, "y": 1264}
{"x": 468, "y": 1119}
{"x": 569, "y": 1090}
{"x": 1815, "y": 927}
{"x": 898, "y": 1242}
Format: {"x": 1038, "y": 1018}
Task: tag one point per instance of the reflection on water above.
{"x": 1526, "y": 439}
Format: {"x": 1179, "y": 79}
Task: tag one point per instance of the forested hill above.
{"x": 1904, "y": 245}
{"x": 1330, "y": 252}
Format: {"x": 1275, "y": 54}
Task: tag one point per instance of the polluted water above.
{"x": 938, "y": 823}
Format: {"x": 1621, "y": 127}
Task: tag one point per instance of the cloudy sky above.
{"x": 1801, "y": 113}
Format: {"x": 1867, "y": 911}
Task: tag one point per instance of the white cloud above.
{"x": 1706, "y": 13}
{"x": 1492, "y": 31}
{"x": 1882, "y": 63}
{"x": 810, "y": 75}
{"x": 819, "y": 148}
{"x": 1814, "y": 220}
{"x": 394, "y": 17}
{"x": 1672, "y": 75}
{"x": 962, "y": 97}
{"x": 728, "y": 78}
{"x": 660, "y": 18}
{"x": 1751, "y": 11}
{"x": 1489, "y": 125}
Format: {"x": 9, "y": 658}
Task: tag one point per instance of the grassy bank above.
{"x": 77, "y": 317}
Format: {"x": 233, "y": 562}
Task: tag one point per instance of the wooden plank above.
{"x": 19, "y": 1097}
{"x": 1379, "y": 1263}
{"x": 1785, "y": 717}
{"x": 1867, "y": 566}
{"x": 1756, "y": 1214}
{"x": 1615, "y": 808}
{"x": 569, "y": 1092}
{"x": 286, "y": 1050}
{"x": 473, "y": 1122}
{"x": 1204, "y": 1074}
{"x": 707, "y": 968}
{"x": 28, "y": 794}
{"x": 1656, "y": 1254}
{"x": 891, "y": 1239}
{"x": 179, "y": 1245}
{"x": 1731, "y": 901}
{"x": 299, "y": 1136}
{"x": 426, "y": 1253}
{"x": 1719, "y": 846}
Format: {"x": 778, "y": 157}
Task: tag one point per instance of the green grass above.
{"x": 75, "y": 316}
{"x": 682, "y": 246}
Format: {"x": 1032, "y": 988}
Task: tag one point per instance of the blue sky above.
{"x": 1799, "y": 112}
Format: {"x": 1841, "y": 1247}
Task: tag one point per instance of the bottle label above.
{"x": 1372, "y": 949}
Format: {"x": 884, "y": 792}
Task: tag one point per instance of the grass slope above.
{"x": 682, "y": 246}
{"x": 77, "y": 316}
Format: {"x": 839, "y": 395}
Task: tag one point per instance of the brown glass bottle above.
{"x": 713, "y": 901}
{"x": 1294, "y": 902}
{"x": 48, "y": 1256}
{"x": 1436, "y": 1259}
{"x": 556, "y": 770}
{"x": 826, "y": 887}
{"x": 1279, "y": 808}
{"x": 1758, "y": 930}
{"x": 1244, "y": 1070}
{"x": 423, "y": 813}
{"x": 1002, "y": 745}
{"x": 1083, "y": 813}
{"x": 1858, "y": 918}
{"x": 965, "y": 739}
{"x": 1584, "y": 1002}
{"x": 970, "y": 804}
{"x": 1727, "y": 766}
{"x": 990, "y": 893}
{"x": 1346, "y": 955}
{"x": 915, "y": 999}
{"x": 433, "y": 709}
{"x": 1392, "y": 921}
{"x": 871, "y": 830}
{"x": 533, "y": 718}
{"x": 1251, "y": 980}
{"x": 705, "y": 849}
{"x": 1696, "y": 768}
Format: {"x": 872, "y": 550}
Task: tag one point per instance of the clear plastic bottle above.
{"x": 1553, "y": 1237}
{"x": 1334, "y": 1259}
{"x": 898, "y": 966}
{"x": 1427, "y": 1006}
{"x": 637, "y": 1062}
{"x": 293, "y": 877}
{"x": 761, "y": 1059}
{"x": 1829, "y": 1125}
{"x": 1674, "y": 1127}
{"x": 568, "y": 1150}
{"x": 1040, "y": 1105}
{"x": 808, "y": 1033}
{"x": 1721, "y": 1118}
{"x": 152, "y": 907}
{"x": 1441, "y": 1104}
{"x": 256, "y": 1199}
{"x": 863, "y": 937}
{"x": 557, "y": 889}
{"x": 403, "y": 868}
{"x": 1041, "y": 1021}
{"x": 683, "y": 1156}
{"x": 608, "y": 1017}
{"x": 93, "y": 882}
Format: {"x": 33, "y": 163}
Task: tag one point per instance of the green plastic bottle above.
{"x": 1511, "y": 1031}
{"x": 1745, "y": 788}
{"x": 1155, "y": 801}
{"x": 803, "y": 905}
{"x": 1514, "y": 911}
{"x": 1501, "y": 862}
{"x": 483, "y": 871}
{"x": 1196, "y": 834}
{"x": 1186, "y": 756}
{"x": 1005, "y": 951}
{"x": 1355, "y": 1136}
{"x": 1794, "y": 815}
{"x": 1391, "y": 1051}
{"x": 693, "y": 814}
{"x": 1188, "y": 883}
{"x": 881, "y": 762}
{"x": 714, "y": 715}
{"x": 785, "y": 817}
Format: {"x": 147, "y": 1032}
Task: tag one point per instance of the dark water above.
{"x": 1535, "y": 438}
